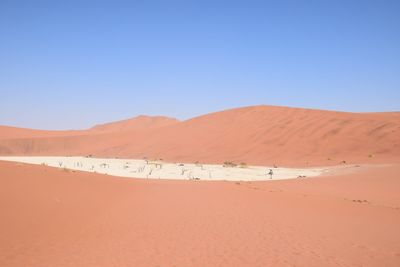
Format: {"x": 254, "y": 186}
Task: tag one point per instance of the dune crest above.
{"x": 141, "y": 122}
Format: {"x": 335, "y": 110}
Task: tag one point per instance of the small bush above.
{"x": 243, "y": 165}
{"x": 360, "y": 201}
{"x": 229, "y": 164}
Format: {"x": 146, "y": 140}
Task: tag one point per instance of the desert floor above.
{"x": 60, "y": 217}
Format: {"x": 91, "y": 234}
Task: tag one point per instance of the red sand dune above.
{"x": 255, "y": 135}
{"x": 136, "y": 124}
{"x": 8, "y": 132}
{"x": 51, "y": 217}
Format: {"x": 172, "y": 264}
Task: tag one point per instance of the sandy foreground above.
{"x": 164, "y": 170}
{"x": 59, "y": 217}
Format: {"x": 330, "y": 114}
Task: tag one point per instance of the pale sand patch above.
{"x": 163, "y": 170}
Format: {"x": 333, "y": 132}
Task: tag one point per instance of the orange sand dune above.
{"x": 285, "y": 136}
{"x": 135, "y": 124}
{"x": 20, "y": 141}
{"x": 138, "y": 123}
{"x": 8, "y": 132}
{"x": 255, "y": 135}
{"x": 52, "y": 217}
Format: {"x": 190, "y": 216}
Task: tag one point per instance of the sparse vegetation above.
{"x": 104, "y": 165}
{"x": 243, "y": 165}
{"x": 360, "y": 201}
{"x": 183, "y": 171}
{"x": 229, "y": 164}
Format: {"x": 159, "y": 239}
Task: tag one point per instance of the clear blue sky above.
{"x": 72, "y": 64}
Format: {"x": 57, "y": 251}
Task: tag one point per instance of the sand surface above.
{"x": 175, "y": 171}
{"x": 259, "y": 135}
{"x": 53, "y": 217}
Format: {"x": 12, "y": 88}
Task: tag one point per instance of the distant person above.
{"x": 270, "y": 173}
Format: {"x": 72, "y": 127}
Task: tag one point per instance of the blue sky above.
{"x": 72, "y": 64}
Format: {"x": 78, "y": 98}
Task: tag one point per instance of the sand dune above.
{"x": 8, "y": 132}
{"x": 138, "y": 123}
{"x": 286, "y": 136}
{"x": 259, "y": 135}
{"x": 52, "y": 217}
{"x": 135, "y": 124}
{"x": 21, "y": 141}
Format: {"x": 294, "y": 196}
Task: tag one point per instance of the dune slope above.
{"x": 52, "y": 217}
